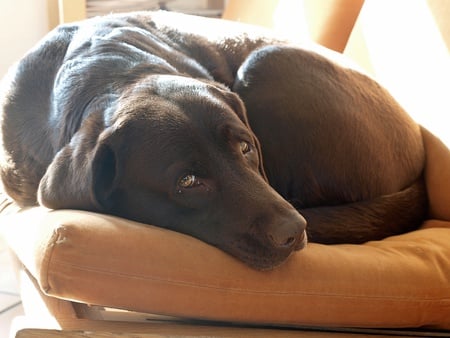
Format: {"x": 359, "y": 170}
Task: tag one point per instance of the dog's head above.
{"x": 178, "y": 153}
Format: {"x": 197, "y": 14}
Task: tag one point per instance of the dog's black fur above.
{"x": 140, "y": 116}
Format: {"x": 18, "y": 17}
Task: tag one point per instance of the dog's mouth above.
{"x": 261, "y": 257}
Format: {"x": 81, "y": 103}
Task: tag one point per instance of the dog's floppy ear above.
{"x": 81, "y": 176}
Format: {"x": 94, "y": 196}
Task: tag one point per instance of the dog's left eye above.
{"x": 245, "y": 147}
{"x": 187, "y": 181}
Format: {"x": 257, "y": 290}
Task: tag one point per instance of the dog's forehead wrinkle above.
{"x": 176, "y": 98}
{"x": 163, "y": 138}
{"x": 181, "y": 88}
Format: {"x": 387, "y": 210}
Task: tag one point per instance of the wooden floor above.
{"x": 160, "y": 326}
{"x": 220, "y": 332}
{"x": 73, "y": 334}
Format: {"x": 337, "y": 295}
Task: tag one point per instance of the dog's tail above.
{"x": 373, "y": 219}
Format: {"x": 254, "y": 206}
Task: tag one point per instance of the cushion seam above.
{"x": 248, "y": 291}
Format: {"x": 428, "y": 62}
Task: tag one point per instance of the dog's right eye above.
{"x": 187, "y": 181}
{"x": 245, "y": 147}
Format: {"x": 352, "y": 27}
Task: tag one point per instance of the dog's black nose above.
{"x": 287, "y": 233}
{"x": 282, "y": 240}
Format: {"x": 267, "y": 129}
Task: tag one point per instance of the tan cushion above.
{"x": 402, "y": 281}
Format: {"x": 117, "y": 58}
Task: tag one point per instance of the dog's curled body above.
{"x": 174, "y": 120}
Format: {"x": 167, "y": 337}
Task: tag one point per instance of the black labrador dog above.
{"x": 205, "y": 127}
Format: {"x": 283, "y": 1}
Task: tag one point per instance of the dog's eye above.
{"x": 187, "y": 181}
{"x": 245, "y": 147}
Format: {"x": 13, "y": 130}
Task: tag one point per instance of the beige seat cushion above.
{"x": 402, "y": 281}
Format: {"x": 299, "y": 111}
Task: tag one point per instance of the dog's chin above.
{"x": 266, "y": 264}
{"x": 260, "y": 257}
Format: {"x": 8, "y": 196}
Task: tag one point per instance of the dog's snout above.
{"x": 287, "y": 233}
{"x": 282, "y": 239}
